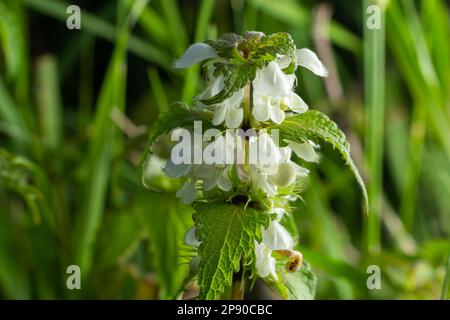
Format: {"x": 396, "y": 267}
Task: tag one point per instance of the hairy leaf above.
{"x": 300, "y": 285}
{"x": 317, "y": 127}
{"x": 227, "y": 233}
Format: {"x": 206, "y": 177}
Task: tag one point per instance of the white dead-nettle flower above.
{"x": 281, "y": 171}
{"x": 272, "y": 88}
{"x": 275, "y": 237}
{"x": 194, "y": 54}
{"x": 229, "y": 110}
{"x": 190, "y": 239}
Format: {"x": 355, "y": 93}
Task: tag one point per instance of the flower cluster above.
{"x": 271, "y": 96}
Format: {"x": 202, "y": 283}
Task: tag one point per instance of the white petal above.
{"x": 213, "y": 88}
{"x": 236, "y": 99}
{"x": 176, "y": 170}
{"x": 296, "y": 103}
{"x": 276, "y": 237}
{"x": 273, "y": 270}
{"x": 210, "y": 178}
{"x": 187, "y": 193}
{"x": 261, "y": 111}
{"x": 283, "y": 61}
{"x": 285, "y": 175}
{"x": 220, "y": 113}
{"x": 263, "y": 262}
{"x": 308, "y": 59}
{"x": 194, "y": 54}
{"x": 300, "y": 171}
{"x": 304, "y": 150}
{"x": 234, "y": 117}
{"x": 190, "y": 239}
{"x": 276, "y": 114}
{"x": 223, "y": 181}
{"x": 285, "y": 153}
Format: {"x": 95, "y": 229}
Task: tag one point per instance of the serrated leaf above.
{"x": 300, "y": 285}
{"x": 227, "y": 233}
{"x": 270, "y": 47}
{"x": 317, "y": 127}
{"x": 225, "y": 45}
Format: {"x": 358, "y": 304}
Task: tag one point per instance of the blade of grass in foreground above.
{"x": 98, "y": 164}
{"x": 374, "y": 77}
{"x": 444, "y": 294}
{"x": 191, "y": 78}
{"x": 100, "y": 28}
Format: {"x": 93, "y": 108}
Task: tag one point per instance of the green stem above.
{"x": 247, "y": 105}
{"x": 238, "y": 287}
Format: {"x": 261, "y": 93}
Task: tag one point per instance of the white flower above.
{"x": 229, "y": 110}
{"x": 176, "y": 170}
{"x": 188, "y": 192}
{"x": 190, "y": 239}
{"x": 272, "y": 90}
{"x": 194, "y": 54}
{"x": 215, "y": 175}
{"x": 305, "y": 150}
{"x": 279, "y": 172}
{"x": 265, "y": 264}
{"x": 309, "y": 60}
{"x": 276, "y": 237}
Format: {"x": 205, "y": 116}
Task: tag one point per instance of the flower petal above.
{"x": 194, "y": 54}
{"x": 309, "y": 60}
{"x": 276, "y": 114}
{"x": 285, "y": 175}
{"x": 234, "y": 117}
{"x": 296, "y": 103}
{"x": 223, "y": 181}
{"x": 304, "y": 150}
{"x": 190, "y": 239}
{"x": 220, "y": 113}
{"x": 263, "y": 258}
{"x": 187, "y": 193}
{"x": 176, "y": 170}
{"x": 261, "y": 111}
{"x": 276, "y": 237}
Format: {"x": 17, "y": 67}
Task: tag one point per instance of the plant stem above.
{"x": 237, "y": 290}
{"x": 247, "y": 105}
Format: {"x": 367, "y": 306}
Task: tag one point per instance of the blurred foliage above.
{"x": 76, "y": 106}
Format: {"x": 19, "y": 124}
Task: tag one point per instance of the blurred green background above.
{"x": 76, "y": 107}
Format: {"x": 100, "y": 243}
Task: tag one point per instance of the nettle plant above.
{"x": 243, "y": 229}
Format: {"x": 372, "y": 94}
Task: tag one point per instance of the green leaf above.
{"x": 300, "y": 285}
{"x": 227, "y": 233}
{"x": 317, "y": 127}
{"x": 271, "y": 46}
